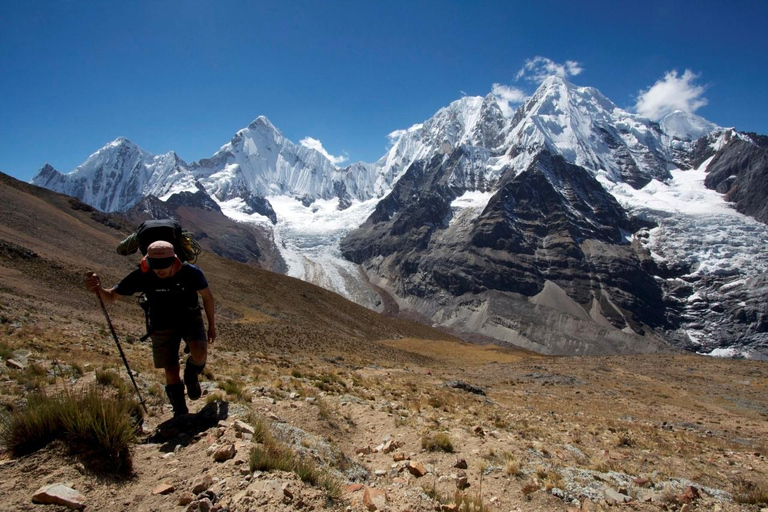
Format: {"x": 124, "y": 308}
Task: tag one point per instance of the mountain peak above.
{"x": 686, "y": 125}
{"x": 46, "y": 173}
{"x": 121, "y": 141}
{"x": 261, "y": 122}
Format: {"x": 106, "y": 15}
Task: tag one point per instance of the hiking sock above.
{"x": 191, "y": 371}
{"x": 175, "y": 394}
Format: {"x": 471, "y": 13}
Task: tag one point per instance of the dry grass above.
{"x": 750, "y": 492}
{"x": 272, "y": 455}
{"x": 99, "y": 428}
{"x": 439, "y": 441}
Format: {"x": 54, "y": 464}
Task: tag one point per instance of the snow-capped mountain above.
{"x": 118, "y": 176}
{"x": 479, "y": 221}
{"x": 260, "y": 161}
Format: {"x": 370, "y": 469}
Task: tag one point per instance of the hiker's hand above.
{"x": 211, "y": 334}
{"x": 92, "y": 282}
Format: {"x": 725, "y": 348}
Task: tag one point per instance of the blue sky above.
{"x": 186, "y": 75}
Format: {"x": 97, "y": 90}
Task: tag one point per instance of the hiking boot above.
{"x": 191, "y": 371}
{"x": 175, "y": 394}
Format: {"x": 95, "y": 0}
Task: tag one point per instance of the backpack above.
{"x": 169, "y": 230}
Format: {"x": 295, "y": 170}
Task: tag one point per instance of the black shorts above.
{"x": 166, "y": 342}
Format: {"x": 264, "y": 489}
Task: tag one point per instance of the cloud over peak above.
{"x": 309, "y": 142}
{"x": 507, "y": 97}
{"x": 539, "y": 68}
{"x": 671, "y": 93}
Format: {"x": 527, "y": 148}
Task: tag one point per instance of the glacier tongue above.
{"x": 308, "y": 240}
{"x": 722, "y": 251}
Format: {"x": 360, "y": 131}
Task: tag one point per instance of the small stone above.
{"x": 243, "y": 427}
{"x": 202, "y": 484}
{"x": 374, "y": 499}
{"x": 613, "y": 496}
{"x": 398, "y": 457}
{"x": 380, "y": 472}
{"x": 416, "y": 469}
{"x": 287, "y": 492}
{"x": 450, "y": 507}
{"x": 163, "y": 488}
{"x": 478, "y": 430}
{"x": 186, "y": 498}
{"x": 642, "y": 482}
{"x": 225, "y": 453}
{"x": 689, "y": 494}
{"x": 461, "y": 464}
{"x": 203, "y": 505}
{"x": 353, "y": 488}
{"x": 685, "y": 508}
{"x": 59, "y": 494}
{"x": 12, "y": 363}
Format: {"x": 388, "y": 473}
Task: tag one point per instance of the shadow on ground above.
{"x": 181, "y": 430}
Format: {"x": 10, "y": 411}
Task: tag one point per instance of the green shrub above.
{"x": 96, "y": 427}
{"x": 437, "y": 442}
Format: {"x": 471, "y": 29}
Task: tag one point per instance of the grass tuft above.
{"x": 97, "y": 428}
{"x": 272, "y": 455}
{"x": 439, "y": 442}
{"x": 749, "y": 492}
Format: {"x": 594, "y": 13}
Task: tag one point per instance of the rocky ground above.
{"x": 436, "y": 425}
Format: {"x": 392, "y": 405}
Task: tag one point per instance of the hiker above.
{"x": 171, "y": 288}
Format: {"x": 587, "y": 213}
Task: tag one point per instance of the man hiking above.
{"x": 171, "y": 288}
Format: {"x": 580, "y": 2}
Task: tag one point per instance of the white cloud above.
{"x": 507, "y": 96}
{"x": 539, "y": 68}
{"x": 671, "y": 93}
{"x": 309, "y": 142}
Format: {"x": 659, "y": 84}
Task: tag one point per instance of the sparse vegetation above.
{"x": 233, "y": 387}
{"x": 97, "y": 427}
{"x": 108, "y": 378}
{"x": 749, "y": 492}
{"x": 272, "y": 455}
{"x": 464, "y": 501}
{"x": 439, "y": 441}
{"x": 5, "y": 351}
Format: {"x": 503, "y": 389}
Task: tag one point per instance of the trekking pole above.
{"x": 120, "y": 348}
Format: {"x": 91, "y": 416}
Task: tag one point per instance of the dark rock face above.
{"x": 197, "y": 199}
{"x": 260, "y": 205}
{"x": 551, "y": 223}
{"x": 740, "y": 171}
{"x": 212, "y": 229}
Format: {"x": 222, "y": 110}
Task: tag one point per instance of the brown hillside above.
{"x": 50, "y": 241}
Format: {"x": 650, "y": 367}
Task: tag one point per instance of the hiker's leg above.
{"x": 198, "y": 352}
{"x": 165, "y": 355}
{"x": 173, "y": 374}
{"x": 197, "y": 341}
{"x": 175, "y": 394}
